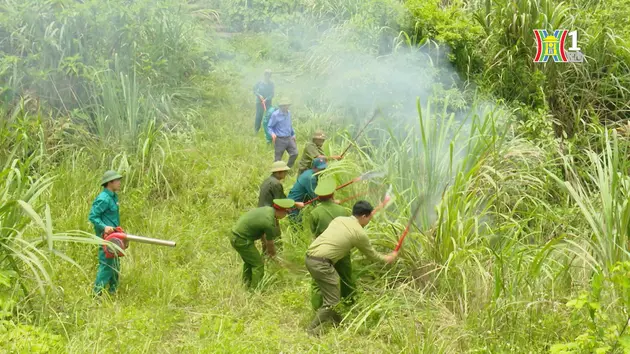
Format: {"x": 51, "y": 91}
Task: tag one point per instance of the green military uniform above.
{"x": 105, "y": 212}
{"x": 272, "y": 188}
{"x": 323, "y": 214}
{"x": 251, "y": 227}
{"x": 341, "y": 236}
{"x": 311, "y": 152}
{"x": 320, "y": 218}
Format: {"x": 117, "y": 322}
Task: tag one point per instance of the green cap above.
{"x": 319, "y": 163}
{"x": 319, "y": 135}
{"x": 283, "y": 204}
{"x": 325, "y": 187}
{"x": 284, "y": 101}
{"x": 279, "y": 166}
{"x": 110, "y": 176}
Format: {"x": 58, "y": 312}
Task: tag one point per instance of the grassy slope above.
{"x": 189, "y": 298}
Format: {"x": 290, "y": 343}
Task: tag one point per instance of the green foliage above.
{"x": 22, "y": 338}
{"x": 513, "y": 222}
{"x": 595, "y": 88}
{"x": 606, "y": 331}
{"x": 27, "y": 258}
{"x": 258, "y": 15}
{"x": 54, "y": 49}
{"x": 429, "y": 21}
{"x": 602, "y": 197}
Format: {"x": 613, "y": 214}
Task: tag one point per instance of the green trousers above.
{"x": 107, "y": 273}
{"x": 253, "y": 265}
{"x": 344, "y": 270}
{"x": 327, "y": 280}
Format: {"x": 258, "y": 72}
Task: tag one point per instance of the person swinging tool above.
{"x": 313, "y": 150}
{"x": 258, "y": 224}
{"x": 336, "y": 242}
{"x": 105, "y": 216}
{"x": 304, "y": 187}
{"x": 264, "y": 91}
{"x": 319, "y": 219}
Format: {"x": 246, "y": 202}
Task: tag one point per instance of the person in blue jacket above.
{"x": 304, "y": 188}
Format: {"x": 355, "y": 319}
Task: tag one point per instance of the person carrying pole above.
{"x": 304, "y": 187}
{"x": 258, "y": 224}
{"x": 105, "y": 216}
{"x": 313, "y": 150}
{"x": 264, "y": 91}
{"x": 320, "y": 217}
{"x": 342, "y": 235}
{"x": 282, "y": 133}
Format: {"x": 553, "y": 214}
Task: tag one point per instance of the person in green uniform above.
{"x": 327, "y": 210}
{"x": 105, "y": 216}
{"x": 258, "y": 224}
{"x": 304, "y": 188}
{"x": 313, "y": 150}
{"x": 342, "y": 235}
{"x": 272, "y": 187}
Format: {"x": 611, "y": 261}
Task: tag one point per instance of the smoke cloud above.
{"x": 341, "y": 77}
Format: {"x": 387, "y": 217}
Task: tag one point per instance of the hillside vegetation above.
{"x": 520, "y": 169}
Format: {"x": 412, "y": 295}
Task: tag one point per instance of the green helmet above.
{"x": 279, "y": 166}
{"x": 325, "y": 187}
{"x": 283, "y": 204}
{"x": 109, "y": 176}
{"x": 319, "y": 135}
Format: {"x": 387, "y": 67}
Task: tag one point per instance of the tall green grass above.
{"x": 601, "y": 193}
{"x": 27, "y": 240}
{"x": 503, "y": 241}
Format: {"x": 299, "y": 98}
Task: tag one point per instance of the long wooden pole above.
{"x": 404, "y": 234}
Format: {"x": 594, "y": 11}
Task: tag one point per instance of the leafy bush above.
{"x": 54, "y": 50}
{"x": 23, "y": 338}
{"x": 606, "y": 331}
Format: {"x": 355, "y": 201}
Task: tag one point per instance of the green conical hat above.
{"x": 283, "y": 203}
{"x": 110, "y": 176}
{"x": 325, "y": 187}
